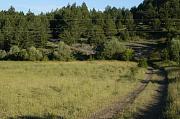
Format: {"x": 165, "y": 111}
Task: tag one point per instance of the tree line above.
{"x": 73, "y": 24}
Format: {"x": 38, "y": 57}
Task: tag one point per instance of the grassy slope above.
{"x": 71, "y": 90}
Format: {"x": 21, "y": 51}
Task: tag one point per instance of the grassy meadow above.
{"x": 69, "y": 90}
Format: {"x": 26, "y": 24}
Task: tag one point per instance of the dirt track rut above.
{"x": 118, "y": 107}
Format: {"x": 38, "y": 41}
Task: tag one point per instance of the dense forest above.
{"x": 75, "y": 32}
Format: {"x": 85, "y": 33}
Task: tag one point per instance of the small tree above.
{"x": 128, "y": 54}
{"x": 113, "y": 49}
{"x": 3, "y": 54}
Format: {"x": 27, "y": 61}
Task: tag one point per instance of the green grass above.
{"x": 172, "y": 110}
{"x": 173, "y": 100}
{"x": 68, "y": 89}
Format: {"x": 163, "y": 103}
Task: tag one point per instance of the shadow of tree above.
{"x": 155, "y": 109}
{"x": 37, "y": 117}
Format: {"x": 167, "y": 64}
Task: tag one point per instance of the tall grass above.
{"x": 172, "y": 110}
{"x": 68, "y": 89}
{"x": 173, "y": 105}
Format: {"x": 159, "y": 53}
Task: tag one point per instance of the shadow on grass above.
{"x": 156, "y": 109}
{"x": 36, "y": 117}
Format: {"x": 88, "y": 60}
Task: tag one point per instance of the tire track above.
{"x": 117, "y": 108}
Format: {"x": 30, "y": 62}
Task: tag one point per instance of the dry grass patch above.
{"x": 67, "y": 89}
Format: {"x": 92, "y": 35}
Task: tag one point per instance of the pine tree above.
{"x": 96, "y": 35}
{"x": 110, "y": 27}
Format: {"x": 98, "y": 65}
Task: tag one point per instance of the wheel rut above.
{"x": 117, "y": 108}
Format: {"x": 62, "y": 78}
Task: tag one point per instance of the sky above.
{"x": 38, "y": 6}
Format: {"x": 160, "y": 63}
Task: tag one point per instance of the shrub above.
{"x": 23, "y": 55}
{"x": 113, "y": 49}
{"x": 45, "y": 53}
{"x": 175, "y": 49}
{"x": 14, "y": 53}
{"x": 155, "y": 55}
{"x": 128, "y": 54}
{"x": 165, "y": 54}
{"x": 34, "y": 54}
{"x": 3, "y": 54}
{"x": 39, "y": 55}
{"x": 63, "y": 52}
{"x": 143, "y": 63}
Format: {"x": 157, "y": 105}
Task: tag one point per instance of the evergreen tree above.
{"x": 96, "y": 35}
{"x": 110, "y": 27}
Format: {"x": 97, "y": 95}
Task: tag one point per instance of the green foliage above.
{"x": 23, "y": 55}
{"x": 155, "y": 55}
{"x": 175, "y": 49}
{"x": 128, "y": 54}
{"x": 45, "y": 53}
{"x": 143, "y": 63}
{"x": 113, "y": 49}
{"x": 96, "y": 36}
{"x": 14, "y": 53}
{"x": 63, "y": 52}
{"x": 110, "y": 27}
{"x": 165, "y": 54}
{"x": 72, "y": 23}
{"x": 156, "y": 24}
{"x": 158, "y": 15}
{"x": 3, "y": 54}
{"x": 34, "y": 54}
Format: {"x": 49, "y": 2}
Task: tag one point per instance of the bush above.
{"x": 143, "y": 63}
{"x": 63, "y": 52}
{"x": 34, "y": 54}
{"x": 128, "y": 54}
{"x": 165, "y": 54}
{"x": 45, "y": 53}
{"x": 155, "y": 55}
{"x": 39, "y": 55}
{"x": 3, "y": 54}
{"x": 14, "y": 53}
{"x": 175, "y": 49}
{"x": 23, "y": 55}
{"x": 113, "y": 49}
